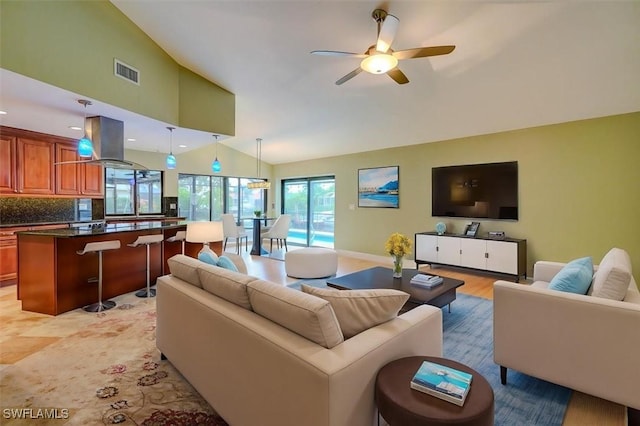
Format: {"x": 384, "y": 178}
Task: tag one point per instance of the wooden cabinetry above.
{"x": 35, "y": 166}
{"x": 508, "y": 256}
{"x": 76, "y": 179}
{"x": 8, "y": 182}
{"x": 9, "y": 250}
{"x": 28, "y": 166}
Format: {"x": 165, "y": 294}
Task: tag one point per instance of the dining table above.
{"x": 256, "y": 246}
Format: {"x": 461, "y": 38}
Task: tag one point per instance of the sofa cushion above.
{"x": 574, "y": 277}
{"x": 613, "y": 276}
{"x": 185, "y": 268}
{"x": 309, "y": 316}
{"x": 229, "y": 285}
{"x": 359, "y": 310}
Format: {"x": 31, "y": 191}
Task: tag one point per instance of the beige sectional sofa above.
{"x": 289, "y": 364}
{"x": 586, "y": 342}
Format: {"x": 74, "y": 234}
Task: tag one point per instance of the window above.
{"x": 208, "y": 197}
{"x": 133, "y": 192}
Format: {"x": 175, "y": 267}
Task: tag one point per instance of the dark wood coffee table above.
{"x": 380, "y": 277}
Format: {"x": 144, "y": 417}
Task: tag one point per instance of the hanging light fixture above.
{"x": 260, "y": 184}
{"x": 171, "y": 159}
{"x": 216, "y": 166}
{"x": 85, "y": 146}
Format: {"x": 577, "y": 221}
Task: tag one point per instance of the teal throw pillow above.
{"x": 575, "y": 277}
{"x": 226, "y": 263}
{"x": 208, "y": 257}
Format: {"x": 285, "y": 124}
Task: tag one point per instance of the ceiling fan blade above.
{"x": 387, "y": 33}
{"x": 349, "y": 76}
{"x": 422, "y": 52}
{"x": 336, "y": 53}
{"x": 398, "y": 76}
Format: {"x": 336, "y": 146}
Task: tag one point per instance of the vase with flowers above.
{"x": 398, "y": 245}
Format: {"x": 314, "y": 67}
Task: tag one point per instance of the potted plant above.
{"x": 258, "y": 213}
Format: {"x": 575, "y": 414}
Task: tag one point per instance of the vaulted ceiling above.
{"x": 516, "y": 64}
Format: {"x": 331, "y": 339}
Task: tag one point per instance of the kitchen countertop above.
{"x": 109, "y": 229}
{"x": 88, "y": 222}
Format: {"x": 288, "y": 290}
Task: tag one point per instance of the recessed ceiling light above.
{"x": 3, "y": 112}
{"x": 182, "y": 146}
{"x": 75, "y": 128}
{"x": 131, "y": 139}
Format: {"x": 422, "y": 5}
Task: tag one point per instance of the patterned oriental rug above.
{"x": 106, "y": 370}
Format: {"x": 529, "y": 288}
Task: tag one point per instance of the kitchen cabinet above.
{"x": 35, "y": 166}
{"x": 508, "y": 256}
{"x": 76, "y": 179}
{"x": 67, "y": 175}
{"x": 8, "y": 183}
{"x": 9, "y": 250}
{"x": 28, "y": 166}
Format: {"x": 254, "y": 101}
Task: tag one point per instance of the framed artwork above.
{"x": 379, "y": 187}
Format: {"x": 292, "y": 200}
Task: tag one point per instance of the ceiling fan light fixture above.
{"x": 379, "y": 63}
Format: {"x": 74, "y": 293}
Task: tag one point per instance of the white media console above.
{"x": 506, "y": 256}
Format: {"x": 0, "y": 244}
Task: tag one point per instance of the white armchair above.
{"x": 278, "y": 231}
{"x": 587, "y": 343}
{"x": 233, "y": 230}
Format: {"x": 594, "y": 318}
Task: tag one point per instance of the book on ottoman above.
{"x": 442, "y": 382}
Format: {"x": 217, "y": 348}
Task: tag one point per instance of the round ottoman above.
{"x": 400, "y": 405}
{"x": 311, "y": 262}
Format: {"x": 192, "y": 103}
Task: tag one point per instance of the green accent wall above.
{"x": 578, "y": 188}
{"x": 73, "y": 44}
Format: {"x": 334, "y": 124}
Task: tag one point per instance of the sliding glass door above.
{"x": 311, "y": 204}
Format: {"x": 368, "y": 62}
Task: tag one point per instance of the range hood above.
{"x": 107, "y": 137}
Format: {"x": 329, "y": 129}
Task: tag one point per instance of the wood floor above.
{"x": 583, "y": 409}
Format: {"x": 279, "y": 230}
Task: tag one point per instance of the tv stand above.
{"x": 506, "y": 256}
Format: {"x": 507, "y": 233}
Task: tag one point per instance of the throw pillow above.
{"x": 226, "y": 263}
{"x": 359, "y": 310}
{"x": 613, "y": 276}
{"x": 306, "y": 315}
{"x": 209, "y": 257}
{"x": 574, "y": 277}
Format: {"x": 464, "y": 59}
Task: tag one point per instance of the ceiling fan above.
{"x": 380, "y": 58}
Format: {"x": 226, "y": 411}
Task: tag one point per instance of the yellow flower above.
{"x": 398, "y": 245}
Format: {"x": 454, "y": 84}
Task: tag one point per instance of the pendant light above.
{"x": 85, "y": 146}
{"x": 171, "y": 159}
{"x": 260, "y": 184}
{"x": 216, "y": 166}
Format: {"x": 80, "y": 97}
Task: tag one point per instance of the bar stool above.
{"x": 99, "y": 247}
{"x": 180, "y": 236}
{"x": 147, "y": 240}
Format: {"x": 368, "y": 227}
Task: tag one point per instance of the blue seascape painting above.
{"x": 378, "y": 187}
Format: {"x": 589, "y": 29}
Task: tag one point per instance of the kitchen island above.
{"x": 53, "y": 278}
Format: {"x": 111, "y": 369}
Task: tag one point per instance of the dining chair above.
{"x": 233, "y": 230}
{"x": 278, "y": 231}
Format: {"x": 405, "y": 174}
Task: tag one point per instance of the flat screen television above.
{"x": 488, "y": 191}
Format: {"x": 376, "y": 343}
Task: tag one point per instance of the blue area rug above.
{"x": 468, "y": 338}
{"x": 525, "y": 400}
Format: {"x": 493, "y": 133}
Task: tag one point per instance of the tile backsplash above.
{"x": 19, "y": 210}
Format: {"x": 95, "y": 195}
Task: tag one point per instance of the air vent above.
{"x": 127, "y": 72}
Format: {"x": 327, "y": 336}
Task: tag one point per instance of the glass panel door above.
{"x": 311, "y": 204}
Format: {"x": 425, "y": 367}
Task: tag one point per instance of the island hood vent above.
{"x": 107, "y": 137}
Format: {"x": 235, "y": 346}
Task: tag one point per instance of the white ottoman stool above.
{"x": 311, "y": 262}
